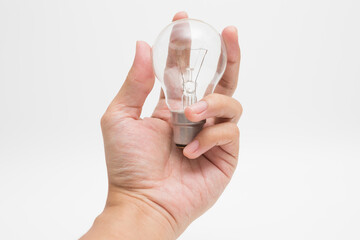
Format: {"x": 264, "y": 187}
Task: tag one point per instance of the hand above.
{"x": 163, "y": 188}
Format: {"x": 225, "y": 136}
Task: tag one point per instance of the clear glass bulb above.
{"x": 189, "y": 58}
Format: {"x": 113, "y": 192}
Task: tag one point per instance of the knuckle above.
{"x": 237, "y": 132}
{"x": 228, "y": 84}
{"x": 239, "y": 108}
{"x": 234, "y": 129}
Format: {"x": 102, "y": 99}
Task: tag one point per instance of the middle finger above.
{"x": 215, "y": 106}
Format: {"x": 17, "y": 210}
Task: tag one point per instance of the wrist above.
{"x": 129, "y": 216}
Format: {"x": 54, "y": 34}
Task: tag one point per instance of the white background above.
{"x": 62, "y": 61}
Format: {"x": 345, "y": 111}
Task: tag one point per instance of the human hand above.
{"x": 165, "y": 187}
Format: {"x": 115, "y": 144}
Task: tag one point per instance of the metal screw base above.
{"x": 184, "y": 130}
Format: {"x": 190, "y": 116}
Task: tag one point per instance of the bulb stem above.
{"x": 189, "y": 88}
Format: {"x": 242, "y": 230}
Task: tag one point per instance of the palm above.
{"x": 184, "y": 187}
{"x": 142, "y": 159}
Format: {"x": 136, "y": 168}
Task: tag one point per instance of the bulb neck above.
{"x": 184, "y": 130}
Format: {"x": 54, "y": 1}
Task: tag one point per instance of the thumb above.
{"x": 138, "y": 83}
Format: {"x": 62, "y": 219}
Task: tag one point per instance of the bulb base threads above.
{"x": 184, "y": 130}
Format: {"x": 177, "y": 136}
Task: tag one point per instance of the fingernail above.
{"x": 192, "y": 147}
{"x": 234, "y": 29}
{"x": 183, "y": 13}
{"x": 137, "y": 49}
{"x": 139, "y": 53}
{"x": 199, "y": 107}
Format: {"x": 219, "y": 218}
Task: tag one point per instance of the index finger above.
{"x": 229, "y": 80}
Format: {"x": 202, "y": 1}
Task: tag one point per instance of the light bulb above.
{"x": 189, "y": 58}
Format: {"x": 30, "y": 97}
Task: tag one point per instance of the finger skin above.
{"x": 185, "y": 57}
{"x": 217, "y": 105}
{"x": 137, "y": 85}
{"x": 226, "y": 133}
{"x": 180, "y": 15}
{"x": 161, "y": 111}
{"x": 228, "y": 82}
